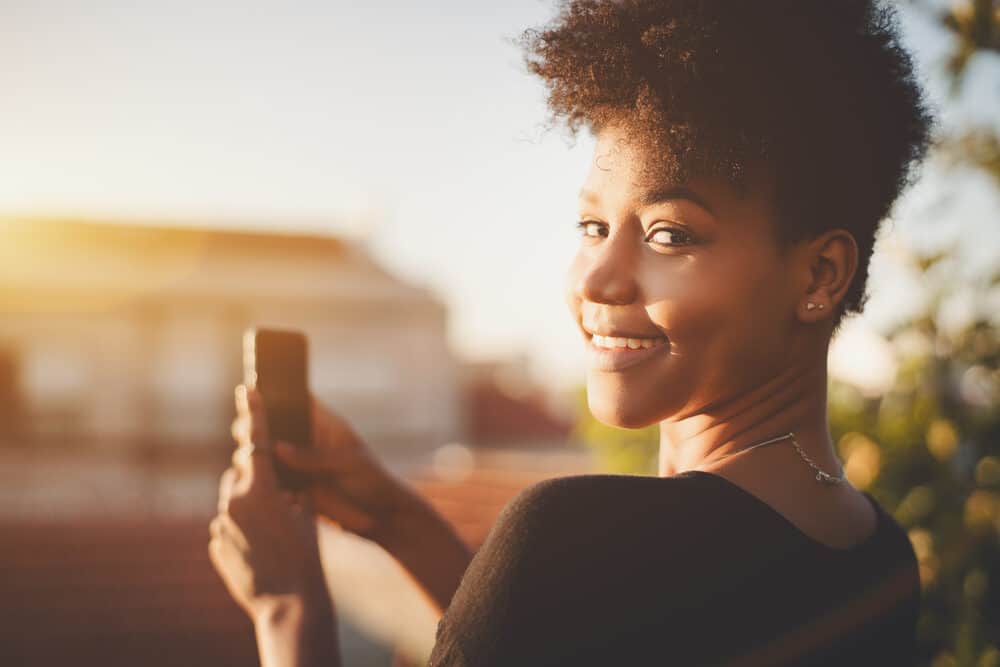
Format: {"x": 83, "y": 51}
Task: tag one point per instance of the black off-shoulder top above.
{"x": 684, "y": 570}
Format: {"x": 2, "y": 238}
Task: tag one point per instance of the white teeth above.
{"x": 613, "y": 342}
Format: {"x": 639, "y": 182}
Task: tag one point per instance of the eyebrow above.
{"x": 652, "y": 197}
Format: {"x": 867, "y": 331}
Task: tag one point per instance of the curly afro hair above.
{"x": 818, "y": 92}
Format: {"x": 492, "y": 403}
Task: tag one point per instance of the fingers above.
{"x": 320, "y": 419}
{"x": 329, "y": 428}
{"x": 217, "y": 552}
{"x": 239, "y": 459}
{"x": 240, "y": 396}
{"x": 314, "y": 462}
{"x": 254, "y": 471}
{"x": 234, "y": 488}
{"x": 224, "y": 530}
{"x": 250, "y": 424}
{"x": 330, "y": 503}
{"x": 258, "y": 416}
{"x": 226, "y": 555}
{"x": 250, "y": 459}
{"x": 240, "y": 430}
{"x": 226, "y": 483}
{"x": 248, "y": 482}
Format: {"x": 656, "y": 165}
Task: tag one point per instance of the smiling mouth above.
{"x": 612, "y": 354}
{"x": 622, "y": 343}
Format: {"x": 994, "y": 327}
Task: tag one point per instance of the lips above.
{"x": 620, "y": 358}
{"x": 614, "y": 332}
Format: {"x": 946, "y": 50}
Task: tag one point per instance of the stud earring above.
{"x": 810, "y": 305}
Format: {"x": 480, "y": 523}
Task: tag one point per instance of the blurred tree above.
{"x": 929, "y": 448}
{"x": 978, "y": 147}
{"x": 948, "y": 492}
{"x": 976, "y": 27}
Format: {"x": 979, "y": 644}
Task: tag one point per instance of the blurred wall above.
{"x": 124, "y": 341}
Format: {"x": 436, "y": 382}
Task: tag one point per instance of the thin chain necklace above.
{"x": 821, "y": 475}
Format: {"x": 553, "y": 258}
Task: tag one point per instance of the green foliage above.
{"x": 975, "y": 28}
{"x": 938, "y": 470}
{"x": 975, "y": 24}
{"x": 978, "y": 147}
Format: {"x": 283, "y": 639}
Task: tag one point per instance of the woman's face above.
{"x": 693, "y": 273}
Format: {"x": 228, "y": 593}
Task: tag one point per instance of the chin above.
{"x": 615, "y": 408}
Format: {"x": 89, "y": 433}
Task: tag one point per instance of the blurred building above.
{"x": 117, "y": 337}
{"x": 504, "y": 407}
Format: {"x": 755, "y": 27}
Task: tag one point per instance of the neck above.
{"x": 794, "y": 400}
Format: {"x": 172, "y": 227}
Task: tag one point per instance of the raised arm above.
{"x": 426, "y": 545}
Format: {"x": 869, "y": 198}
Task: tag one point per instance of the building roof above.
{"x": 504, "y": 406}
{"x": 494, "y": 416}
{"x": 471, "y": 498}
{"x": 60, "y": 264}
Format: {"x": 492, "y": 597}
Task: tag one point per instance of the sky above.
{"x": 413, "y": 126}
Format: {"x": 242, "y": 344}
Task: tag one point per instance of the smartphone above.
{"x": 275, "y": 363}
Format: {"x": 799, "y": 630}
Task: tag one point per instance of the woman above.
{"x": 746, "y": 153}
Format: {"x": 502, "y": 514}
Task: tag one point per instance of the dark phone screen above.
{"x": 279, "y": 373}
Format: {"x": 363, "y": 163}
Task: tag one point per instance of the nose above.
{"x": 606, "y": 274}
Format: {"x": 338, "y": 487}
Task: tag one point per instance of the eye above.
{"x": 670, "y": 236}
{"x": 592, "y": 228}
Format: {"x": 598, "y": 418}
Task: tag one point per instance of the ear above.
{"x": 832, "y": 261}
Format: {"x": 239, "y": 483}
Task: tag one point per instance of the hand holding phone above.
{"x": 346, "y": 482}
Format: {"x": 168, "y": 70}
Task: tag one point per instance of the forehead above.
{"x": 623, "y": 161}
{"x": 625, "y": 167}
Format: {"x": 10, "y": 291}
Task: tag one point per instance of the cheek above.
{"x": 723, "y": 319}
{"x": 688, "y": 301}
{"x": 722, "y": 316}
